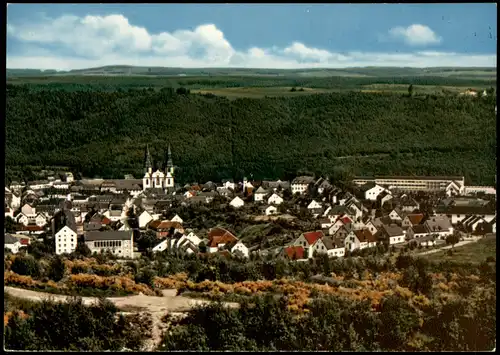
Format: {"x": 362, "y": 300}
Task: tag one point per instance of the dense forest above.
{"x": 340, "y": 134}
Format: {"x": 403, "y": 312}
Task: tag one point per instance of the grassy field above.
{"x": 475, "y": 252}
{"x": 418, "y": 89}
{"x": 257, "y": 93}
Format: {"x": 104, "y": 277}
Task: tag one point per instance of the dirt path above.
{"x": 158, "y": 307}
{"x": 448, "y": 247}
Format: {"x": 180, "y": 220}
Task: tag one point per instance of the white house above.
{"x": 177, "y": 219}
{"x": 334, "y": 247}
{"x": 21, "y": 218}
{"x": 439, "y": 225}
{"x": 453, "y": 189}
{"x": 28, "y": 210}
{"x": 65, "y": 240}
{"x": 365, "y": 238}
{"x": 371, "y": 227}
{"x": 351, "y": 242}
{"x": 41, "y": 219}
{"x": 314, "y": 207}
{"x": 193, "y": 238}
{"x": 417, "y": 231}
{"x": 339, "y": 223}
{"x": 270, "y": 210}
{"x": 237, "y": 202}
{"x": 355, "y": 209}
{"x": 307, "y": 241}
{"x": 144, "y": 218}
{"x": 394, "y": 233}
{"x": 12, "y": 243}
{"x": 396, "y": 214}
{"x": 412, "y": 219}
{"x": 228, "y": 184}
{"x": 188, "y": 194}
{"x": 301, "y": 183}
{"x": 260, "y": 194}
{"x": 163, "y": 245}
{"x": 275, "y": 199}
{"x": 371, "y": 191}
{"x": 325, "y": 223}
{"x": 426, "y": 240}
{"x": 239, "y": 246}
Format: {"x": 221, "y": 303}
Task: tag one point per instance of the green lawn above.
{"x": 475, "y": 252}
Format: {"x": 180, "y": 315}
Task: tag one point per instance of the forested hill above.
{"x": 104, "y": 133}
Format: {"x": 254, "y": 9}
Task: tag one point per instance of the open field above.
{"x": 257, "y": 93}
{"x": 475, "y": 252}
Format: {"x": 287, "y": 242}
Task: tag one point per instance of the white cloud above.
{"x": 415, "y": 35}
{"x": 71, "y": 42}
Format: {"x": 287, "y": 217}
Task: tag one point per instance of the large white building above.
{"x": 158, "y": 179}
{"x": 65, "y": 240}
{"x": 301, "y": 183}
{"x": 414, "y": 183}
{"x": 119, "y": 243}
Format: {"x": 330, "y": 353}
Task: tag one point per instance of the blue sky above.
{"x": 72, "y": 36}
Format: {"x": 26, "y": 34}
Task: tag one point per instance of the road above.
{"x": 158, "y": 307}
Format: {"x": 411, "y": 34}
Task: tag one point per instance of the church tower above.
{"x": 170, "y": 165}
{"x": 169, "y": 169}
{"x": 148, "y": 170}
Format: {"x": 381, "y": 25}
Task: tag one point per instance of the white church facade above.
{"x": 156, "y": 178}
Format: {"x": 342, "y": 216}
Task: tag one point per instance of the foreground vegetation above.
{"x": 70, "y": 326}
{"x": 337, "y": 134}
{"x": 284, "y": 305}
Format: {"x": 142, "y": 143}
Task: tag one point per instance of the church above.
{"x": 156, "y": 178}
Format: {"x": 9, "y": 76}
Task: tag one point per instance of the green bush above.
{"x": 26, "y": 265}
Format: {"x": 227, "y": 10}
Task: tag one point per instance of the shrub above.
{"x": 26, "y": 265}
{"x": 146, "y": 277}
{"x": 57, "y": 268}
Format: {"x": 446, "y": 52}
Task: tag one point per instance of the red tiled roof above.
{"x": 218, "y": 232}
{"x": 169, "y": 224}
{"x": 222, "y": 239}
{"x": 364, "y": 235}
{"x": 312, "y": 237}
{"x": 295, "y": 251}
{"x": 105, "y": 220}
{"x": 154, "y": 224}
{"x": 346, "y": 220}
{"x": 415, "y": 218}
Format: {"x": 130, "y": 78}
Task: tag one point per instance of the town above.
{"x": 116, "y": 216}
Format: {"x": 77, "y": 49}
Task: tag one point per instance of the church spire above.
{"x": 170, "y": 165}
{"x": 148, "y": 165}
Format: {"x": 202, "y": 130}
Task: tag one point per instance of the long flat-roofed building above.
{"x": 416, "y": 183}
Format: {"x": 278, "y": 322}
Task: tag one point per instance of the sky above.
{"x": 278, "y": 36}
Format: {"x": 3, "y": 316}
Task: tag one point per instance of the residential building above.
{"x": 237, "y": 202}
{"x": 393, "y": 233}
{"x": 439, "y": 225}
{"x": 12, "y": 243}
{"x": 301, "y": 184}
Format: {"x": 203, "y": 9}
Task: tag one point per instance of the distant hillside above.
{"x": 349, "y": 72}
{"x": 104, "y": 133}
